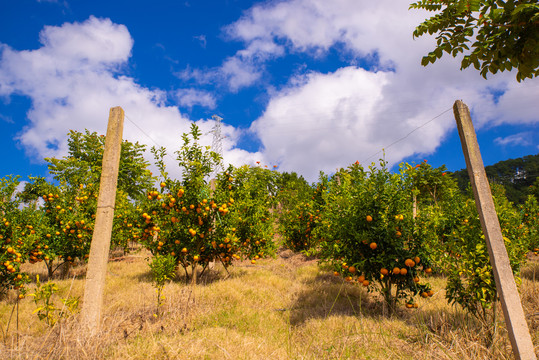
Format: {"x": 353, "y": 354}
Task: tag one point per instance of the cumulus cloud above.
{"x": 192, "y": 97}
{"x": 72, "y": 81}
{"x": 328, "y": 120}
{"x": 243, "y": 69}
{"x": 325, "y": 121}
{"x": 523, "y": 138}
{"x": 382, "y": 99}
{"x": 75, "y": 77}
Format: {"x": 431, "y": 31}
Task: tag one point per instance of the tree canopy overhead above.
{"x": 493, "y": 35}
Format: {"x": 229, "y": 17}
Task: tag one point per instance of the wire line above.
{"x": 410, "y": 133}
{"x": 148, "y": 136}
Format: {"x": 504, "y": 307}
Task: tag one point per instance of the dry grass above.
{"x": 284, "y": 308}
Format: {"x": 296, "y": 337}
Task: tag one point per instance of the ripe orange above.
{"x": 163, "y": 184}
{"x": 365, "y": 282}
{"x": 428, "y": 270}
{"x": 373, "y": 245}
{"x": 417, "y": 260}
{"x": 361, "y": 278}
{"x": 404, "y": 271}
{"x": 396, "y": 270}
{"x": 352, "y": 269}
{"x": 369, "y": 218}
{"x": 384, "y": 271}
{"x": 409, "y": 262}
{"x": 424, "y": 295}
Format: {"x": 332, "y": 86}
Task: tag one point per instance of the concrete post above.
{"x": 99, "y": 250}
{"x": 515, "y": 320}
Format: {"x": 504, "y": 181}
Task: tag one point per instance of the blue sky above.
{"x": 307, "y": 85}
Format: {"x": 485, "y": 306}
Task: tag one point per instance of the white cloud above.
{"x": 202, "y": 40}
{"x": 192, "y": 97}
{"x": 73, "y": 80}
{"x": 238, "y": 72}
{"x": 520, "y": 139}
{"x": 318, "y": 121}
{"x": 325, "y": 121}
{"x": 241, "y": 70}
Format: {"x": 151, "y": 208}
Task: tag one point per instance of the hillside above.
{"x": 283, "y": 308}
{"x": 516, "y": 176}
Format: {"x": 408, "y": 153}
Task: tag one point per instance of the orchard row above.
{"x": 384, "y": 231}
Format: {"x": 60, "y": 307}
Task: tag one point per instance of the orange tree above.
{"x": 185, "y": 218}
{"x": 128, "y": 225}
{"x": 67, "y": 225}
{"x": 369, "y": 233}
{"x": 431, "y": 185}
{"x": 18, "y": 239}
{"x": 300, "y": 205}
{"x": 69, "y": 206}
{"x": 470, "y": 279}
{"x": 530, "y": 218}
{"x": 254, "y": 190}
{"x": 301, "y": 217}
{"x": 434, "y": 190}
{"x": 495, "y": 35}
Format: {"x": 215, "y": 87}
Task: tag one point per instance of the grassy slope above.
{"x": 284, "y": 308}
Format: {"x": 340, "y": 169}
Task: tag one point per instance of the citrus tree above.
{"x": 470, "y": 279}
{"x": 254, "y": 191}
{"x": 495, "y": 35}
{"x": 83, "y": 164}
{"x": 370, "y": 235}
{"x": 17, "y": 237}
{"x": 67, "y": 225}
{"x": 301, "y": 214}
{"x": 68, "y": 206}
{"x": 434, "y": 192}
{"x": 530, "y": 218}
{"x": 185, "y": 218}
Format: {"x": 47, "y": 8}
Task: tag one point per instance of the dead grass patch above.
{"x": 283, "y": 308}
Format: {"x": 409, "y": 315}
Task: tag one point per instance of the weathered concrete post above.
{"x": 99, "y": 250}
{"x": 213, "y": 186}
{"x": 515, "y": 320}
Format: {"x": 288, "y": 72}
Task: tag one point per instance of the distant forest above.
{"x": 519, "y": 177}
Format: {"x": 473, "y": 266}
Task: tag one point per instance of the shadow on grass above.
{"x": 531, "y": 271}
{"x": 64, "y": 271}
{"x": 443, "y": 322}
{"x": 329, "y": 295}
{"x": 209, "y": 276}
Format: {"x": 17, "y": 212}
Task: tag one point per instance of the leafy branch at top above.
{"x": 493, "y": 35}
